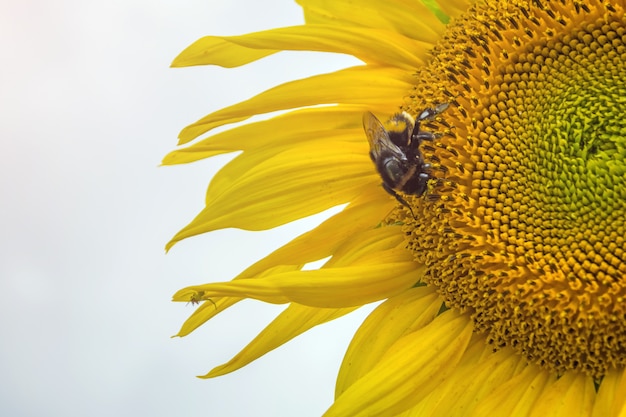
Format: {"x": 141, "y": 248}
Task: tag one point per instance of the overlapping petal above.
{"x": 383, "y": 275}
{"x": 321, "y": 242}
{"x": 611, "y": 400}
{"x": 411, "y": 19}
{"x": 517, "y": 396}
{"x": 298, "y": 318}
{"x": 572, "y": 395}
{"x": 263, "y": 190}
{"x": 454, "y": 8}
{"x": 390, "y": 321}
{"x": 326, "y": 239}
{"x": 401, "y": 378}
{"x": 479, "y": 373}
{"x": 342, "y": 123}
{"x": 376, "y": 46}
{"x": 215, "y": 305}
{"x": 370, "y": 86}
{"x": 366, "y": 279}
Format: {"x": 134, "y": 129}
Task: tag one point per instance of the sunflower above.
{"x": 502, "y": 277}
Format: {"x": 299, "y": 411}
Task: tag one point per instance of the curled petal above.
{"x": 211, "y": 306}
{"x": 378, "y": 47}
{"x": 368, "y": 269}
{"x": 217, "y": 50}
{"x": 331, "y": 287}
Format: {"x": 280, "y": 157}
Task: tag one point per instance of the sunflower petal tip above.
{"x": 170, "y": 245}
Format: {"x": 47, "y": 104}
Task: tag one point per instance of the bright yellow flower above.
{"x": 504, "y": 281}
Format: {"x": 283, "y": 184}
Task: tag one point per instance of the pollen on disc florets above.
{"x": 524, "y": 226}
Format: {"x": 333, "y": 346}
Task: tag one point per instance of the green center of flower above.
{"x": 524, "y": 228}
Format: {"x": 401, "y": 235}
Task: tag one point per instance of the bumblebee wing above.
{"x": 378, "y": 138}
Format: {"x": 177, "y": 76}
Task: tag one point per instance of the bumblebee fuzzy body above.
{"x": 396, "y": 151}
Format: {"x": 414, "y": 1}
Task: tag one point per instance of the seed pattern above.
{"x": 524, "y": 225}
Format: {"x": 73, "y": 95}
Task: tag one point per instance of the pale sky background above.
{"x": 88, "y": 107}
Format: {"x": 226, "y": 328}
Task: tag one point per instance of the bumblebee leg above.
{"x": 418, "y": 135}
{"x": 421, "y": 135}
{"x": 398, "y": 197}
{"x": 430, "y": 113}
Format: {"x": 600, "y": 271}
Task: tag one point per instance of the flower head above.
{"x": 503, "y": 266}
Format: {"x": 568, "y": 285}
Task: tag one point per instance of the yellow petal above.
{"x": 474, "y": 379}
{"x": 372, "y": 276}
{"x": 341, "y": 122}
{"x": 267, "y": 190}
{"x": 517, "y": 396}
{"x": 271, "y": 163}
{"x": 411, "y": 19}
{"x": 203, "y": 313}
{"x": 295, "y": 320}
{"x": 607, "y": 394}
{"x": 402, "y": 377}
{"x": 215, "y": 305}
{"x": 365, "y": 245}
{"x": 321, "y": 242}
{"x": 371, "y": 87}
{"x": 330, "y": 287}
{"x": 620, "y": 397}
{"x": 454, "y": 8}
{"x": 571, "y": 395}
{"x": 361, "y": 214}
{"x": 618, "y": 408}
{"x": 217, "y": 50}
{"x": 379, "y": 47}
{"x": 390, "y": 321}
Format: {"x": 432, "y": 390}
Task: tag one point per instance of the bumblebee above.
{"x": 396, "y": 154}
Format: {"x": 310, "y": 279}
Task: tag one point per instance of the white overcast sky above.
{"x": 88, "y": 107}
